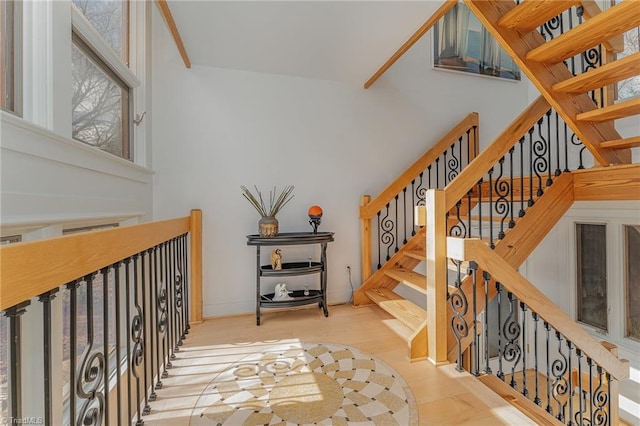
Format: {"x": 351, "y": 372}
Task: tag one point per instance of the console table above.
{"x": 292, "y": 269}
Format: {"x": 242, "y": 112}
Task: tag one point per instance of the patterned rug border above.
{"x": 266, "y": 347}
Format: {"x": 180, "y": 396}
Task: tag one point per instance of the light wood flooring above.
{"x": 444, "y": 396}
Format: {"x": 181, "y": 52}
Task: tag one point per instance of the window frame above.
{"x": 615, "y": 217}
{"x": 579, "y": 284}
{"x": 13, "y": 45}
{"x": 89, "y": 41}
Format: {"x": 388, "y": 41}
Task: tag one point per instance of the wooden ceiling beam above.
{"x": 446, "y": 6}
{"x": 168, "y": 18}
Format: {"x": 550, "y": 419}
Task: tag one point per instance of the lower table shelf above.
{"x": 298, "y": 296}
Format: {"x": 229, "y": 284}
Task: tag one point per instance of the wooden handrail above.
{"x": 471, "y": 249}
{"x": 471, "y": 174}
{"x": 32, "y": 268}
{"x": 372, "y": 208}
{"x": 442, "y": 10}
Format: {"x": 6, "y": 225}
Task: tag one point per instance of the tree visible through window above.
{"x": 100, "y": 98}
{"x": 630, "y": 87}
{"x": 592, "y": 275}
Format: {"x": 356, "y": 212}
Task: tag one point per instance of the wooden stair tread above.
{"x": 611, "y": 22}
{"x": 529, "y": 14}
{"x": 413, "y": 279}
{"x": 632, "y": 142}
{"x": 612, "y": 112}
{"x": 406, "y": 312}
{"x": 615, "y": 71}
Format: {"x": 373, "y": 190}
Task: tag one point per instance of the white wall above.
{"x": 216, "y": 129}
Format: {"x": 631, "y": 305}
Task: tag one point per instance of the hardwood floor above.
{"x": 444, "y": 396}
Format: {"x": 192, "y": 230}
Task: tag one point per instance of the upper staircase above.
{"x": 547, "y": 63}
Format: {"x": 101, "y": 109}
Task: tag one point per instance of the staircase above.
{"x": 510, "y": 195}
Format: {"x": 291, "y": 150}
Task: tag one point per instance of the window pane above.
{"x": 7, "y": 55}
{"x": 100, "y": 106}
{"x": 111, "y": 19}
{"x": 632, "y": 298}
{"x": 630, "y": 87}
{"x": 592, "y": 275}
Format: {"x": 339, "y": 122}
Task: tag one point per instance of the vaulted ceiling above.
{"x": 335, "y": 40}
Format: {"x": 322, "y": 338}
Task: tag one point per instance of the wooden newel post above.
{"x": 365, "y": 241}
{"x": 195, "y": 231}
{"x": 436, "y": 276}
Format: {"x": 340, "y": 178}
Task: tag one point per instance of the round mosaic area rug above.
{"x": 307, "y": 383}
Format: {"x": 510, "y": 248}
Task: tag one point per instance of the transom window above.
{"x": 10, "y": 55}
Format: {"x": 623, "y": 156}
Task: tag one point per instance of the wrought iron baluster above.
{"x": 46, "y": 299}
{"x": 560, "y": 387}
{"x": 601, "y": 400}
{"x": 118, "y": 305}
{"x": 413, "y": 203}
{"x": 548, "y": 145}
{"x": 591, "y": 397}
{"x": 429, "y": 180}
{"x": 476, "y": 338}
{"x": 379, "y": 242}
{"x": 167, "y": 289}
{"x": 127, "y": 302}
{"x": 458, "y": 230}
{"x": 512, "y": 222}
{"x": 577, "y": 142}
{"x": 91, "y": 372}
{"x": 570, "y": 390}
{"x": 566, "y": 148}
{"x": 153, "y": 319}
{"x": 136, "y": 330}
{"x": 502, "y": 204}
{"x": 73, "y": 345}
{"x": 487, "y": 355}
{"x": 162, "y": 306}
{"x": 500, "y": 373}
{"x": 178, "y": 294}
{"x": 491, "y": 207}
{"x": 437, "y": 173}
{"x": 15, "y": 357}
{"x": 580, "y": 416}
{"x": 547, "y": 329}
{"x": 522, "y": 211}
{"x": 105, "y": 339}
{"x": 540, "y": 164}
{"x": 479, "y": 208}
{"x": 536, "y": 368}
{"x": 469, "y": 206}
{"x": 557, "y": 127}
{"x": 143, "y": 288}
{"x": 454, "y": 163}
{"x": 404, "y": 213}
{"x": 186, "y": 284}
{"x": 531, "y": 169}
{"x": 523, "y": 309}
{"x": 511, "y": 331}
{"x": 460, "y": 307}
{"x": 396, "y": 224}
{"x": 387, "y": 228}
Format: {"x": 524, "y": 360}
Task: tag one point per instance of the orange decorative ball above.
{"x": 315, "y": 211}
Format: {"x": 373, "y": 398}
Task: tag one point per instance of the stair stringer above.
{"x": 518, "y": 244}
{"x": 380, "y": 279}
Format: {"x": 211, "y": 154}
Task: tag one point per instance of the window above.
{"x": 630, "y": 88}
{"x": 101, "y": 98}
{"x": 632, "y": 282}
{"x": 592, "y": 275}
{"x": 10, "y": 55}
{"x": 10, "y": 239}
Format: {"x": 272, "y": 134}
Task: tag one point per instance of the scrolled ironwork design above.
{"x": 387, "y": 226}
{"x": 162, "y": 310}
{"x": 502, "y": 205}
{"x": 575, "y": 141}
{"x": 453, "y": 163}
{"x": 548, "y": 29}
{"x": 459, "y": 327}
{"x": 459, "y": 229}
{"x": 600, "y": 399}
{"x": 540, "y": 162}
{"x": 92, "y": 411}
{"x": 511, "y": 332}
{"x": 560, "y": 387}
{"x": 421, "y": 191}
{"x": 137, "y": 352}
